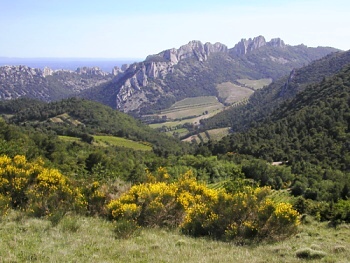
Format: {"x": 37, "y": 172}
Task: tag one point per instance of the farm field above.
{"x": 88, "y": 239}
{"x": 65, "y": 118}
{"x": 255, "y": 84}
{"x": 231, "y": 93}
{"x": 192, "y": 107}
{"x": 215, "y": 134}
{"x": 69, "y": 138}
{"x": 102, "y": 140}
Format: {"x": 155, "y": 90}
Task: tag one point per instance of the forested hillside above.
{"x": 263, "y": 102}
{"x": 313, "y": 127}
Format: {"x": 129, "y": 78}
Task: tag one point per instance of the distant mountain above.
{"x": 193, "y": 70}
{"x": 267, "y": 100}
{"x": 196, "y": 69}
{"x": 48, "y": 84}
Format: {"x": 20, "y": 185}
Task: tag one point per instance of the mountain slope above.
{"x": 263, "y": 102}
{"x": 196, "y": 69}
{"x": 313, "y": 127}
{"x": 47, "y": 84}
{"x": 79, "y": 117}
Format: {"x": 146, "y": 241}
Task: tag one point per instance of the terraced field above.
{"x": 193, "y": 107}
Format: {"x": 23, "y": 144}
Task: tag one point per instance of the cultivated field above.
{"x": 192, "y": 107}
{"x": 65, "y": 118}
{"x": 215, "y": 134}
{"x": 100, "y": 140}
{"x": 105, "y": 140}
{"x": 255, "y": 83}
{"x": 232, "y": 93}
{"x": 88, "y": 239}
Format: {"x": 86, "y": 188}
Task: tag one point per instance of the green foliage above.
{"x": 267, "y": 100}
{"x": 312, "y": 128}
{"x": 37, "y": 190}
{"x": 85, "y": 118}
{"x": 126, "y": 229}
{"x": 308, "y": 253}
{"x": 200, "y": 211}
{"x": 341, "y": 212}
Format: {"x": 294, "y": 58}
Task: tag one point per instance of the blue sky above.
{"x": 135, "y": 29}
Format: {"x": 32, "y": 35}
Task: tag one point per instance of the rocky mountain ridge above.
{"x": 151, "y": 82}
{"x": 46, "y": 84}
{"x": 194, "y": 69}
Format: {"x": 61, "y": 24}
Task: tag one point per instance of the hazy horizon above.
{"x": 105, "y": 64}
{"x": 119, "y": 29}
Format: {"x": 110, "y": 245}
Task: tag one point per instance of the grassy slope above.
{"x": 82, "y": 239}
{"x": 121, "y": 142}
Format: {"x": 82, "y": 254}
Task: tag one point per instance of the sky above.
{"x": 137, "y": 28}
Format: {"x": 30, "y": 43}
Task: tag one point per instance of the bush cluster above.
{"x": 31, "y": 187}
{"x": 200, "y": 211}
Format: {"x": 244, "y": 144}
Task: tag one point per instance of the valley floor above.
{"x": 87, "y": 239}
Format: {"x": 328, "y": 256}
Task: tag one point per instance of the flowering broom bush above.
{"x": 31, "y": 187}
{"x": 200, "y": 211}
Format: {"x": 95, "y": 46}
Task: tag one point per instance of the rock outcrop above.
{"x": 157, "y": 67}
{"x": 48, "y": 84}
{"x": 248, "y": 45}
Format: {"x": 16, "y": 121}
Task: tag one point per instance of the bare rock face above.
{"x": 18, "y": 81}
{"x": 276, "y": 42}
{"x": 246, "y": 46}
{"x": 47, "y": 72}
{"x": 93, "y": 71}
{"x": 156, "y": 67}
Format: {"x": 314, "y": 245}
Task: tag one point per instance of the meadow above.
{"x": 88, "y": 239}
{"x": 105, "y": 140}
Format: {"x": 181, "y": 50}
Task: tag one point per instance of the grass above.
{"x": 255, "y": 83}
{"x": 232, "y": 93}
{"x": 87, "y": 239}
{"x": 69, "y": 138}
{"x": 102, "y": 140}
{"x": 65, "y": 118}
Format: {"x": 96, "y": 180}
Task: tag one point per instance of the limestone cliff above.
{"x": 156, "y": 68}
{"x": 48, "y": 84}
{"x": 248, "y": 45}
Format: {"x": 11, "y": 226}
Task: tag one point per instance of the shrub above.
{"x": 126, "y": 228}
{"x": 244, "y": 215}
{"x": 308, "y": 253}
{"x": 200, "y": 211}
{"x": 40, "y": 191}
{"x": 95, "y": 197}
